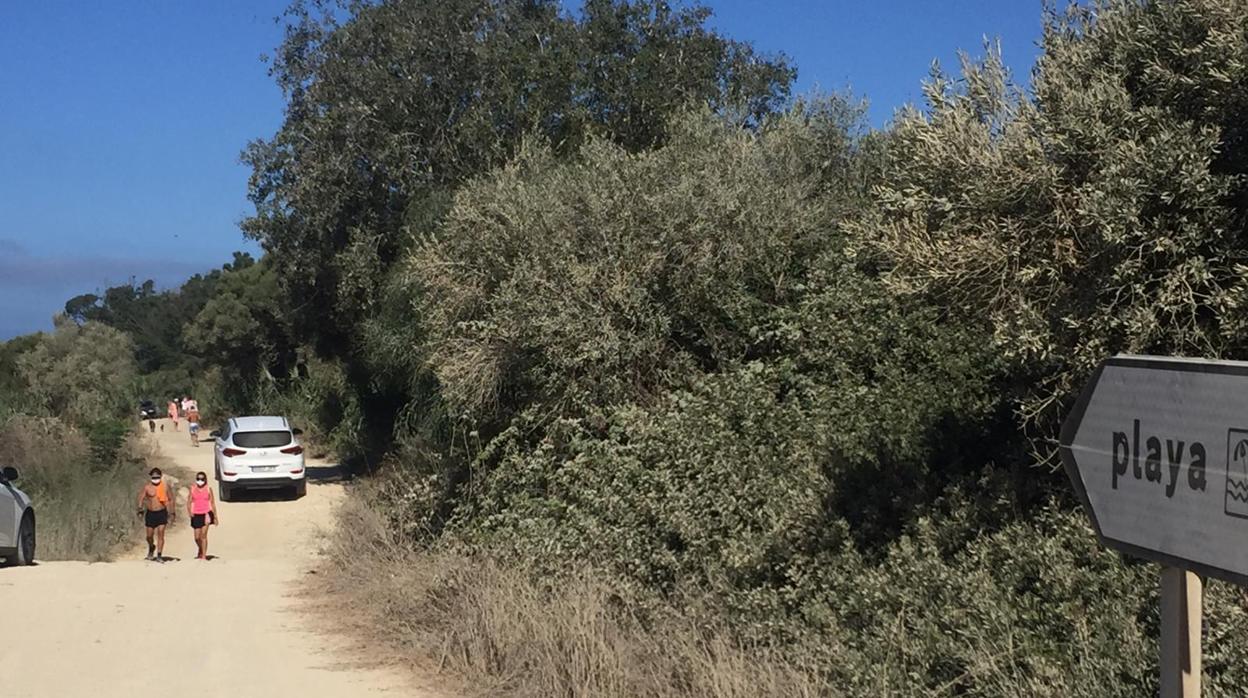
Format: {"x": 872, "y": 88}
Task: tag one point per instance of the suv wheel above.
{"x": 225, "y": 491}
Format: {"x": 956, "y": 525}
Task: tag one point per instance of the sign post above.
{"x": 1180, "y": 633}
{"x": 1157, "y": 449}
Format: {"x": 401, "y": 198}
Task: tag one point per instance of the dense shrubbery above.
{"x": 83, "y": 373}
{"x": 1105, "y": 215}
{"x": 809, "y": 399}
{"x": 65, "y": 415}
{"x": 744, "y": 394}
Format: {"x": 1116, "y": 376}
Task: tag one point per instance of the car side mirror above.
{"x": 9, "y": 474}
{"x": 215, "y": 434}
{"x": 297, "y": 432}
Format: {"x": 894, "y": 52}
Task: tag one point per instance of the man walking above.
{"x": 157, "y": 508}
{"x": 192, "y": 423}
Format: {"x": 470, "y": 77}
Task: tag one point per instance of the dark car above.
{"x": 147, "y": 410}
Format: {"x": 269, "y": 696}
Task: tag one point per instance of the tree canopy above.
{"x": 398, "y": 102}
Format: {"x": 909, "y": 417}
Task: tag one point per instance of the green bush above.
{"x": 611, "y": 277}
{"x": 1105, "y": 215}
{"x": 81, "y": 373}
{"x": 107, "y": 437}
{"x": 321, "y": 403}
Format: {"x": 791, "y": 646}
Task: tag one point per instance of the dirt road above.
{"x": 226, "y": 627}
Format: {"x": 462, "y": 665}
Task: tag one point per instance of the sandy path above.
{"x": 227, "y": 627}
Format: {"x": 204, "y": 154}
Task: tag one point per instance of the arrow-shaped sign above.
{"x": 1158, "y": 450}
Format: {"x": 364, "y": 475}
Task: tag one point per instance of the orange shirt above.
{"x": 156, "y": 494}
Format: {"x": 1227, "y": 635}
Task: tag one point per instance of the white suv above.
{"x": 258, "y": 453}
{"x": 17, "y": 522}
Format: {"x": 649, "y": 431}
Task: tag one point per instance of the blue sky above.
{"x": 121, "y": 122}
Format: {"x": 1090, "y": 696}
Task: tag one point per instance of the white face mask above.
{"x": 201, "y": 483}
{"x": 155, "y": 481}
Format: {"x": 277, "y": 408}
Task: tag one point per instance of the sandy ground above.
{"x": 233, "y": 626}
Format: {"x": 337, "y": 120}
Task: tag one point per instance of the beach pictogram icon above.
{"x": 1237, "y": 473}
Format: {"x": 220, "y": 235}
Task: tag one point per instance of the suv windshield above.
{"x": 261, "y": 439}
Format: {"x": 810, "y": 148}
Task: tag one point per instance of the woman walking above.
{"x": 173, "y": 413}
{"x": 203, "y": 508}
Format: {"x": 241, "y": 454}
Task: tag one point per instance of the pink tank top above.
{"x": 200, "y": 503}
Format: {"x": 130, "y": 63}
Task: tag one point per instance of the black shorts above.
{"x": 153, "y": 519}
{"x": 200, "y": 520}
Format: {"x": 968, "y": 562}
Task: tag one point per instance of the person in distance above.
{"x": 192, "y": 423}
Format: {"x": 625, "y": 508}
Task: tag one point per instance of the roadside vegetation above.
{"x": 66, "y": 422}
{"x": 669, "y": 383}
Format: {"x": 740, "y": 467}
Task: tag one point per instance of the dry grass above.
{"x": 85, "y": 512}
{"x": 505, "y": 631}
